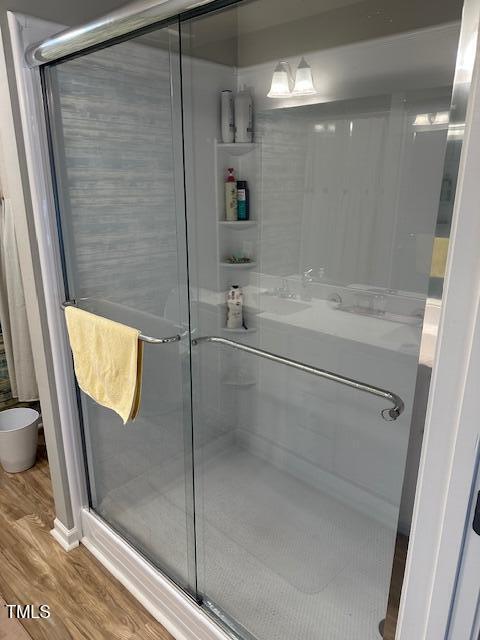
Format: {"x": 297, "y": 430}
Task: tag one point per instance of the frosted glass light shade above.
{"x": 432, "y": 119}
{"x": 304, "y": 80}
{"x": 281, "y": 81}
{"x": 422, "y": 120}
{"x": 442, "y": 117}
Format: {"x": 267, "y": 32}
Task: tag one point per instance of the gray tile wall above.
{"x": 118, "y": 157}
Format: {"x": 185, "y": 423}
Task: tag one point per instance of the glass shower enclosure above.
{"x": 264, "y": 472}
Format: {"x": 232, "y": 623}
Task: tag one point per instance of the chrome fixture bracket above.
{"x": 142, "y": 337}
{"x": 389, "y": 414}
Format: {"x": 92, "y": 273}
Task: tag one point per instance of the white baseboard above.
{"x": 68, "y": 538}
{"x": 179, "y": 614}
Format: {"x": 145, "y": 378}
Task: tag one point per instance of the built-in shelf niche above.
{"x": 240, "y": 331}
{"x": 236, "y": 148}
{"x": 237, "y": 225}
{"x": 238, "y": 265}
{"x": 231, "y": 235}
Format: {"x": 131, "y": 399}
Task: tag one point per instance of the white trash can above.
{"x": 18, "y": 438}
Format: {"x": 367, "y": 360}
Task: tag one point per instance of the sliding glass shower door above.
{"x": 265, "y": 472}
{"x": 302, "y": 522}
{"x": 115, "y": 121}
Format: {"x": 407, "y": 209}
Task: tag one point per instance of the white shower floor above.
{"x": 283, "y": 559}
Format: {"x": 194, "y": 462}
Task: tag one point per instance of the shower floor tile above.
{"x": 281, "y": 558}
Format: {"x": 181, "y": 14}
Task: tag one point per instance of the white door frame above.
{"x": 465, "y": 616}
{"x": 448, "y": 462}
{"x": 24, "y": 31}
{"x": 446, "y": 469}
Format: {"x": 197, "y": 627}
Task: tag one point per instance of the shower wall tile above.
{"x": 280, "y": 191}
{"x": 280, "y": 248}
{"x": 329, "y": 435}
{"x": 119, "y": 175}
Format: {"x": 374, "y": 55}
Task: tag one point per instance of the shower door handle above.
{"x": 391, "y": 413}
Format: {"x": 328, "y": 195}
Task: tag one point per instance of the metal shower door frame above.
{"x": 66, "y": 248}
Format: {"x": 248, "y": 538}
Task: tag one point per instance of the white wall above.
{"x": 416, "y": 60}
{"x": 66, "y": 12}
{"x": 352, "y": 192}
{"x": 366, "y": 208}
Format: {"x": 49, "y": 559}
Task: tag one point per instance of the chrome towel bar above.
{"x": 143, "y": 338}
{"x": 387, "y": 414}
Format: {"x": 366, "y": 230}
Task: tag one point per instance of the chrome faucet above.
{"x": 284, "y": 290}
{"x": 307, "y": 278}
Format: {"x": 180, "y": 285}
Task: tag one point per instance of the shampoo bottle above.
{"x": 231, "y": 196}
{"x": 243, "y": 200}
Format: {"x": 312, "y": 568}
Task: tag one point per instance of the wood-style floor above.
{"x": 10, "y": 629}
{"x": 86, "y": 602}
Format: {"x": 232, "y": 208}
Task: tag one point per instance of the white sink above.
{"x": 281, "y": 306}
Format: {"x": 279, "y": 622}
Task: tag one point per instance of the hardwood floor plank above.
{"x": 7, "y": 538}
{"x": 10, "y": 629}
{"x": 86, "y": 602}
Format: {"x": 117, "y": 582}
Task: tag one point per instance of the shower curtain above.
{"x": 13, "y": 315}
{"x": 342, "y": 191}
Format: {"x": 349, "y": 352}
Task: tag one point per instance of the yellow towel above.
{"x": 107, "y": 357}
{"x": 439, "y": 257}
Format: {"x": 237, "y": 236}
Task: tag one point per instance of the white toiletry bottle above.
{"x": 235, "y": 308}
{"x": 234, "y": 315}
{"x": 243, "y": 117}
{"x": 231, "y": 196}
{"x": 235, "y": 293}
{"x": 228, "y": 126}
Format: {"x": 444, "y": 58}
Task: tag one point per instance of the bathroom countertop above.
{"x": 318, "y": 315}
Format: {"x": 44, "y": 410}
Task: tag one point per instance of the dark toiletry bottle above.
{"x": 243, "y": 200}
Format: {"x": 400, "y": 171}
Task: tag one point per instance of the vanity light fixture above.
{"x": 323, "y": 127}
{"x": 304, "y": 80}
{"x": 422, "y": 120}
{"x": 281, "y": 81}
{"x": 432, "y": 119}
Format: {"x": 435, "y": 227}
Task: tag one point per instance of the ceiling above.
{"x": 257, "y": 31}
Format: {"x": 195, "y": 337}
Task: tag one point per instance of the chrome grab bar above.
{"x": 143, "y": 338}
{"x": 387, "y": 414}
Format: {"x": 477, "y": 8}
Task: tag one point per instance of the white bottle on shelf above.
{"x": 234, "y": 314}
{"x": 235, "y": 293}
{"x": 235, "y": 307}
{"x": 243, "y": 117}
{"x": 231, "y": 196}
{"x": 228, "y": 126}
